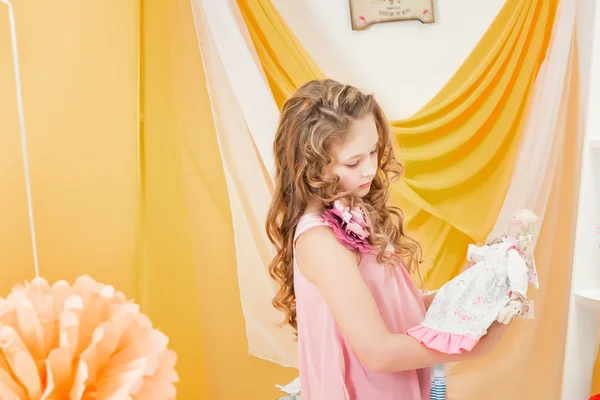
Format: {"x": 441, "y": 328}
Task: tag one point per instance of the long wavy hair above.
{"x": 317, "y": 115}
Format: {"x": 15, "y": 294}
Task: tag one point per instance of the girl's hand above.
{"x": 468, "y": 265}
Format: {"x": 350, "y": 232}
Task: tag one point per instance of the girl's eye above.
{"x": 352, "y": 166}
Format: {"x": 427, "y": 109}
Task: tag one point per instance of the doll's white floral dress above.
{"x": 464, "y": 308}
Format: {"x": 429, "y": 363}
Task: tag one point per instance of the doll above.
{"x": 493, "y": 289}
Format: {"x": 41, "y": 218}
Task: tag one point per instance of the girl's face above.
{"x": 355, "y": 159}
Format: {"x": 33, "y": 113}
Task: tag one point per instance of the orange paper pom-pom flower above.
{"x": 85, "y": 341}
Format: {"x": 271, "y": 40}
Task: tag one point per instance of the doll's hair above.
{"x": 528, "y": 221}
{"x": 314, "y": 118}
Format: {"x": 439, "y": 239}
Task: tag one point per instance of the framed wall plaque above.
{"x": 365, "y": 13}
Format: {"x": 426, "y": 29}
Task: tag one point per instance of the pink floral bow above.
{"x": 351, "y": 226}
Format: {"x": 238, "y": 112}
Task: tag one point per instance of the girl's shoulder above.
{"x": 349, "y": 225}
{"x": 308, "y": 221}
{"x": 316, "y": 248}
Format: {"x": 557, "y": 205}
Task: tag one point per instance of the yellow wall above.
{"x": 80, "y": 97}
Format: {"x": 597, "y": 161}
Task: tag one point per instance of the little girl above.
{"x": 342, "y": 258}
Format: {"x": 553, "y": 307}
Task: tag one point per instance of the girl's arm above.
{"x": 332, "y": 268}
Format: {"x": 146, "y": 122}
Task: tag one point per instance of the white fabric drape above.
{"x": 243, "y": 71}
{"x": 246, "y": 118}
{"x": 542, "y": 137}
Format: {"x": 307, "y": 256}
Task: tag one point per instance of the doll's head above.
{"x": 521, "y": 227}
{"x": 521, "y": 223}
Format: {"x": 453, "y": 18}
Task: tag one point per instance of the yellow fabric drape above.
{"x": 286, "y": 64}
{"x": 459, "y": 149}
{"x": 169, "y": 282}
{"x": 80, "y": 94}
{"x": 596, "y": 376}
{"x": 191, "y": 286}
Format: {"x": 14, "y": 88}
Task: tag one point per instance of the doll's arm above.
{"x": 517, "y": 275}
{"x": 476, "y": 254}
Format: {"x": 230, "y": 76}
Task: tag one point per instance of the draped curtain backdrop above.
{"x": 150, "y": 161}
{"x": 490, "y": 142}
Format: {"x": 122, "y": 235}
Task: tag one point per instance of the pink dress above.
{"x": 329, "y": 368}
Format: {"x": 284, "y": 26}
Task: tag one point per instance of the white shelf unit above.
{"x": 582, "y": 332}
{"x": 584, "y": 308}
{"x": 588, "y": 298}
